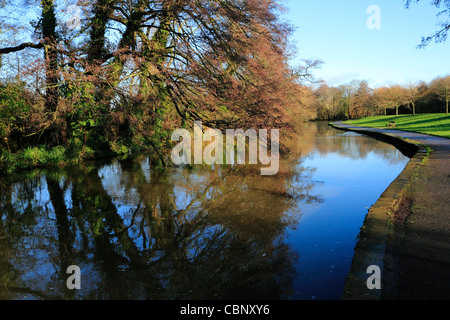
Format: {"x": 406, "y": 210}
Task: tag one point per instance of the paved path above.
{"x": 417, "y": 260}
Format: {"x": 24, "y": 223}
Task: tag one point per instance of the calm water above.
{"x": 202, "y": 233}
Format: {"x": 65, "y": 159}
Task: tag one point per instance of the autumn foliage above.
{"x": 130, "y": 72}
{"x": 357, "y": 100}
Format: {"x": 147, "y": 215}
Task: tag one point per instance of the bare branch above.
{"x": 22, "y": 47}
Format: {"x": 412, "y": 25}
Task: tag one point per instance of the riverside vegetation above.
{"x": 115, "y": 78}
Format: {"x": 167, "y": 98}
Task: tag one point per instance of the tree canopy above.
{"x": 120, "y": 74}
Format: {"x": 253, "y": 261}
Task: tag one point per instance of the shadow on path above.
{"x": 416, "y": 262}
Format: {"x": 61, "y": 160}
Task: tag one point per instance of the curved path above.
{"x": 407, "y": 232}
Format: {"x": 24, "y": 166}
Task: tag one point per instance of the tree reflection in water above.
{"x": 140, "y": 233}
{"x": 204, "y": 234}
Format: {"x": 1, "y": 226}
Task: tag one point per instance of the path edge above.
{"x": 370, "y": 249}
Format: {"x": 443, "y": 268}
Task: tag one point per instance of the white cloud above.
{"x": 341, "y": 78}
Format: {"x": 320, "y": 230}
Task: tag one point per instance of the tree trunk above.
{"x": 128, "y": 41}
{"x": 155, "y": 54}
{"x": 50, "y": 54}
{"x": 97, "y": 39}
{"x": 65, "y": 236}
{"x": 446, "y": 107}
{"x": 53, "y": 135}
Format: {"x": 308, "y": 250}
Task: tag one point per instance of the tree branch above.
{"x": 21, "y": 47}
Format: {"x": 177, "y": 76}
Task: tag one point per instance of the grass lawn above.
{"x": 437, "y": 124}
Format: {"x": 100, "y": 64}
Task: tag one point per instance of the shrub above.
{"x": 32, "y": 157}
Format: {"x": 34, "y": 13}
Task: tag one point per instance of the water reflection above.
{"x": 202, "y": 233}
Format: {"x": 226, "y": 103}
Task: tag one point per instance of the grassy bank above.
{"x": 437, "y": 124}
{"x": 41, "y": 157}
{"x": 33, "y": 158}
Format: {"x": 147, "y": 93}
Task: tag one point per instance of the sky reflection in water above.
{"x": 137, "y": 233}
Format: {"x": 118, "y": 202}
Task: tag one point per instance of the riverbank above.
{"x": 436, "y": 124}
{"x": 42, "y": 157}
{"x": 407, "y": 232}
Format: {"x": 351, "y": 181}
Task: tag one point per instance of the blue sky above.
{"x": 337, "y": 33}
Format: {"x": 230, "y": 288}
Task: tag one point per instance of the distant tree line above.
{"x": 356, "y": 99}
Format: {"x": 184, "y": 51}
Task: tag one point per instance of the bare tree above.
{"x": 348, "y": 92}
{"x": 361, "y": 100}
{"x": 412, "y": 94}
{"x": 398, "y": 97}
{"x": 442, "y": 33}
{"x": 327, "y": 102}
{"x": 441, "y": 86}
{"x": 382, "y": 99}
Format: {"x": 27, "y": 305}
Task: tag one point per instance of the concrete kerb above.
{"x": 371, "y": 245}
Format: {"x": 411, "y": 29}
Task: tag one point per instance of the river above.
{"x": 138, "y": 232}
